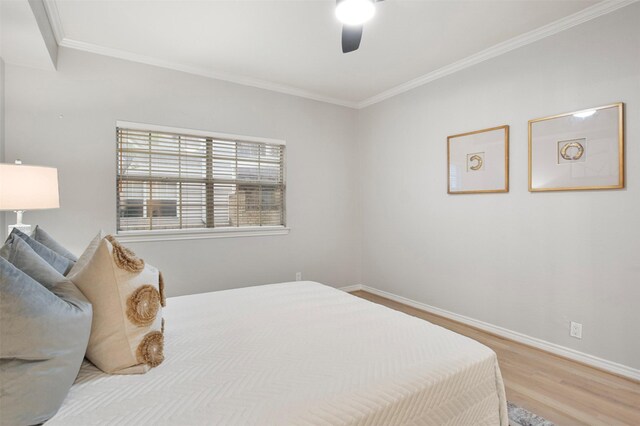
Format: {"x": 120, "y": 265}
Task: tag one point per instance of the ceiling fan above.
{"x": 353, "y": 14}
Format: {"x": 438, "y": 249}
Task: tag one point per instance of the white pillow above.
{"x": 86, "y": 255}
{"x": 126, "y": 333}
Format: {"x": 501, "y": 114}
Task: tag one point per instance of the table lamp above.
{"x": 24, "y": 187}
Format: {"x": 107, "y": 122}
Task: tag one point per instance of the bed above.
{"x": 296, "y": 353}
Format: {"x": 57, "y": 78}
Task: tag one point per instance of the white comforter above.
{"x": 296, "y": 353}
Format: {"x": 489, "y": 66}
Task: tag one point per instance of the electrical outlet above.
{"x": 298, "y": 276}
{"x": 576, "y": 330}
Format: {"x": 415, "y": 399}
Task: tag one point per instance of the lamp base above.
{"x": 20, "y": 227}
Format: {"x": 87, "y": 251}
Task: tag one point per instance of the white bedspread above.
{"x": 296, "y": 353}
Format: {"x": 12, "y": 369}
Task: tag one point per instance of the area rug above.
{"x": 518, "y": 416}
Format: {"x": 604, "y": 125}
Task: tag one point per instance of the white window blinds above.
{"x": 169, "y": 180}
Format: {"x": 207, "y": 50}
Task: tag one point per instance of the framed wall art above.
{"x": 478, "y": 162}
{"x": 578, "y": 150}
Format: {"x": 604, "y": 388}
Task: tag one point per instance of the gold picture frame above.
{"x": 577, "y": 151}
{"x": 478, "y": 161}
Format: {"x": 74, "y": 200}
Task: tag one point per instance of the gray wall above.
{"x": 3, "y": 222}
{"x": 527, "y": 262}
{"x": 367, "y": 198}
{"x": 91, "y": 92}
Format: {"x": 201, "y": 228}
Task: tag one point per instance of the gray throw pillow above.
{"x": 59, "y": 263}
{"x": 45, "y": 239}
{"x": 22, "y": 256}
{"x": 44, "y": 334}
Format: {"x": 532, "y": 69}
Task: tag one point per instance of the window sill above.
{"x": 199, "y": 234}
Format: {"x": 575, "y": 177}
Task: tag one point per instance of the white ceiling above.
{"x": 294, "y": 46}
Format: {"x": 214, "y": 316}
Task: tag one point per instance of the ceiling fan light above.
{"x": 355, "y": 12}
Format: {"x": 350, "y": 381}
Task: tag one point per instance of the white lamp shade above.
{"x": 28, "y": 187}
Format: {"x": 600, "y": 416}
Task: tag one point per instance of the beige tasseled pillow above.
{"x": 126, "y": 333}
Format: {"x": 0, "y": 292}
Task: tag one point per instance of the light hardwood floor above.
{"x": 563, "y": 391}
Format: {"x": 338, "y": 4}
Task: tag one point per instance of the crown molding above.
{"x": 205, "y": 72}
{"x": 591, "y": 12}
{"x": 58, "y": 31}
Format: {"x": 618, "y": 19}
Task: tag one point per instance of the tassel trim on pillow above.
{"x": 163, "y": 299}
{"x": 151, "y": 349}
{"x": 143, "y": 305}
{"x": 125, "y": 258}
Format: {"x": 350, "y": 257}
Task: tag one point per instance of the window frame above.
{"x": 201, "y": 233}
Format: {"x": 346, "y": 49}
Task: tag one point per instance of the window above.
{"x": 174, "y": 179}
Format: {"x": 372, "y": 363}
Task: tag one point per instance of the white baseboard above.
{"x": 594, "y": 361}
{"x": 351, "y": 288}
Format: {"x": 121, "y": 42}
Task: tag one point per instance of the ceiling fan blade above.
{"x": 351, "y": 37}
